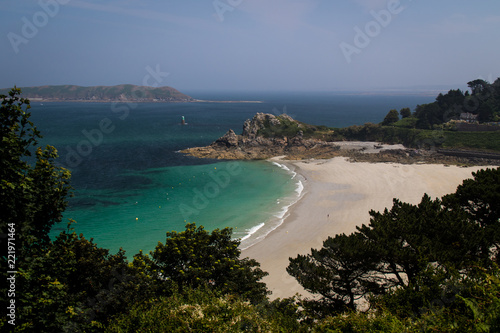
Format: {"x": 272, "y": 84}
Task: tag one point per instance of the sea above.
{"x": 131, "y": 185}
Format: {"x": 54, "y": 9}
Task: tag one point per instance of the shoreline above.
{"x": 259, "y": 232}
{"x": 337, "y": 197}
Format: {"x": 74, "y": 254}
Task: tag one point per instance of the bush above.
{"x": 201, "y": 310}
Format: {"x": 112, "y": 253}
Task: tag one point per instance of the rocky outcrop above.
{"x": 265, "y": 136}
{"x": 228, "y": 140}
{"x": 262, "y": 137}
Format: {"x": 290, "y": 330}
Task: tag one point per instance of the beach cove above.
{"x": 337, "y": 197}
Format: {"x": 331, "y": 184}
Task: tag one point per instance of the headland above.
{"x": 343, "y": 181}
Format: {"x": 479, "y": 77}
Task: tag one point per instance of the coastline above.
{"x": 259, "y": 232}
{"x": 337, "y": 197}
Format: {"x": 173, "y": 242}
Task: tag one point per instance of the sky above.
{"x": 250, "y": 45}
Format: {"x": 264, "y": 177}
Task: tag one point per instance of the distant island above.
{"x": 119, "y": 93}
{"x": 107, "y": 94}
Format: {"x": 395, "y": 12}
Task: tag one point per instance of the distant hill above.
{"x": 120, "y": 93}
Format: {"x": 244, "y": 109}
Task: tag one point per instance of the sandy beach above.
{"x": 338, "y": 197}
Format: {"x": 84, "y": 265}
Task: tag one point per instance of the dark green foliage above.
{"x": 196, "y": 257}
{"x": 480, "y": 199}
{"x": 486, "y": 111}
{"x": 408, "y": 122}
{"x": 32, "y": 191}
{"x": 483, "y": 101}
{"x": 287, "y": 313}
{"x": 405, "y": 113}
{"x": 451, "y": 103}
{"x": 410, "y": 256}
{"x": 391, "y": 117}
{"x": 340, "y": 271}
{"x": 407, "y": 238}
{"x": 475, "y": 307}
{"x": 429, "y": 115}
{"x": 32, "y": 195}
{"x": 75, "y": 285}
{"x": 479, "y": 87}
{"x": 285, "y": 128}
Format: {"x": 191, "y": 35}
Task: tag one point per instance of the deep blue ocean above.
{"x": 131, "y": 185}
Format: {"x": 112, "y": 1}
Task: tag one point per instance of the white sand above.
{"x": 338, "y": 197}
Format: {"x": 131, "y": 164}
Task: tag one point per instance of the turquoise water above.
{"x": 218, "y": 195}
{"x": 132, "y": 185}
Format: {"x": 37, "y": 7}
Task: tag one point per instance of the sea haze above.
{"x": 131, "y": 184}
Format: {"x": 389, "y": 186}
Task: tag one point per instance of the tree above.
{"x": 405, "y": 112}
{"x": 408, "y": 238}
{"x": 340, "y": 272}
{"x": 196, "y": 257}
{"x": 32, "y": 197}
{"x": 73, "y": 285}
{"x": 413, "y": 249}
{"x": 391, "y": 117}
{"x": 429, "y": 115}
{"x": 479, "y": 87}
{"x": 480, "y": 198}
{"x": 486, "y": 111}
{"x": 32, "y": 191}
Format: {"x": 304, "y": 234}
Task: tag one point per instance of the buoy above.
{"x": 136, "y": 218}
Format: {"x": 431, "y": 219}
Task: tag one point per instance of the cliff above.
{"x": 120, "y": 93}
{"x": 267, "y": 135}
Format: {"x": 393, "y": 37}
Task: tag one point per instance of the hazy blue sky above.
{"x": 250, "y": 44}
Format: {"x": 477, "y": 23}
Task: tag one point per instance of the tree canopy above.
{"x": 413, "y": 250}
{"x": 32, "y": 190}
{"x": 483, "y": 101}
{"x": 391, "y": 117}
{"x": 196, "y": 257}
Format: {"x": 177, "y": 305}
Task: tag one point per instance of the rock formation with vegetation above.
{"x": 267, "y": 135}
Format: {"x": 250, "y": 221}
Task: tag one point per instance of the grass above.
{"x": 486, "y": 141}
{"x": 418, "y": 138}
